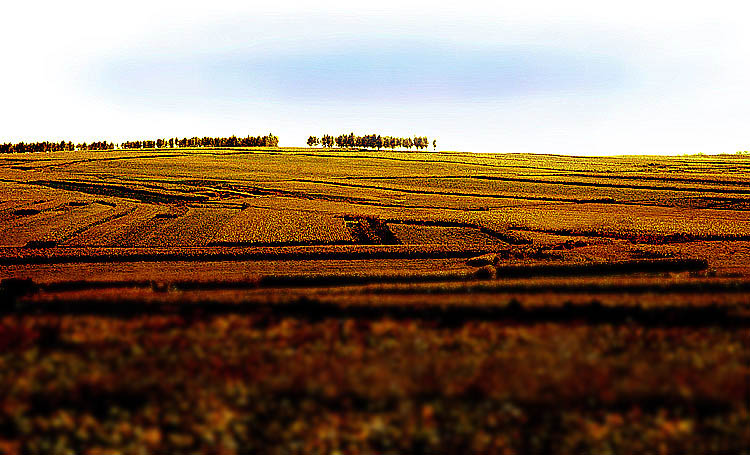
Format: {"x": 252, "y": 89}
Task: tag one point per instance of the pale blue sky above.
{"x": 579, "y": 78}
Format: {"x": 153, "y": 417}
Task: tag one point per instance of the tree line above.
{"x": 193, "y": 142}
{"x": 371, "y": 141}
{"x": 45, "y": 146}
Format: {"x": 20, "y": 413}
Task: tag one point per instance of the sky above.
{"x": 577, "y": 77}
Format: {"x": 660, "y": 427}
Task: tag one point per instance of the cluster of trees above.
{"x": 233, "y": 141}
{"x": 22, "y": 147}
{"x": 96, "y": 145}
{"x": 46, "y": 146}
{"x": 371, "y": 141}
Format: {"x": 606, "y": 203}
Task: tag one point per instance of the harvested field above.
{"x": 320, "y": 301}
{"x": 260, "y": 226}
{"x": 443, "y": 235}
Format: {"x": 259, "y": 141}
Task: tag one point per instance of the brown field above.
{"x": 321, "y": 301}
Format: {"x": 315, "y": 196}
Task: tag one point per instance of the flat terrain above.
{"x": 314, "y": 301}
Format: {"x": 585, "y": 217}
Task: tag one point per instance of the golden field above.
{"x": 323, "y": 301}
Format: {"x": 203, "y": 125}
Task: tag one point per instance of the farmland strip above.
{"x": 120, "y": 191}
{"x": 580, "y": 183}
{"x": 450, "y": 315}
{"x": 449, "y": 193}
{"x": 97, "y": 223}
{"x": 639, "y": 237}
{"x": 15, "y": 256}
{"x": 336, "y": 280}
{"x": 490, "y": 287}
{"x": 91, "y": 160}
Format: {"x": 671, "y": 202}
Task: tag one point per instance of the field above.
{"x": 343, "y": 301}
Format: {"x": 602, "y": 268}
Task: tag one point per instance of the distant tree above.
{"x": 420, "y": 142}
{"x": 371, "y": 141}
{"x": 272, "y": 141}
{"x": 434, "y": 144}
{"x": 327, "y": 140}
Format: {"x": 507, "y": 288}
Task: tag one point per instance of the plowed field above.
{"x": 321, "y": 301}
